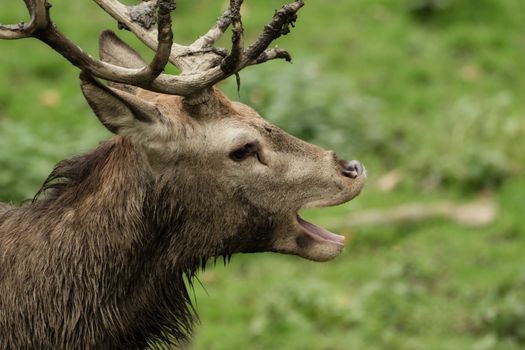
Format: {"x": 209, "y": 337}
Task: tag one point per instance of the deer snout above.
{"x": 352, "y": 168}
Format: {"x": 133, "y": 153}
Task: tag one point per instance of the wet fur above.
{"x": 97, "y": 261}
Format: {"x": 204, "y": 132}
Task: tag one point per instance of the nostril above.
{"x": 352, "y": 169}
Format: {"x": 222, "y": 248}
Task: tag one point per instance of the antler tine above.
{"x": 271, "y": 54}
{"x": 204, "y": 65}
{"x": 139, "y": 77}
{"x": 138, "y": 19}
{"x": 280, "y": 25}
{"x": 38, "y": 13}
{"x": 256, "y": 53}
{"x": 164, "y": 38}
{"x": 232, "y": 61}
{"x": 42, "y": 28}
{"x": 215, "y": 32}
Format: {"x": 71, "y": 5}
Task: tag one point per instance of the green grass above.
{"x": 433, "y": 88}
{"x": 424, "y": 286}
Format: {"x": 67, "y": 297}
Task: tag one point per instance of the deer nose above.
{"x": 352, "y": 169}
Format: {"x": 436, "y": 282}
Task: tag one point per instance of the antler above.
{"x": 42, "y": 28}
{"x": 201, "y": 64}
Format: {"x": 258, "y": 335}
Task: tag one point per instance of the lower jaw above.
{"x": 320, "y": 252}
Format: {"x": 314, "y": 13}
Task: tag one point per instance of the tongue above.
{"x": 319, "y": 233}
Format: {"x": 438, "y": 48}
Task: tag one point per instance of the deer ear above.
{"x": 115, "y": 51}
{"x": 120, "y": 112}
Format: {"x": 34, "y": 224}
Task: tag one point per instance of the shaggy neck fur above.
{"x": 98, "y": 261}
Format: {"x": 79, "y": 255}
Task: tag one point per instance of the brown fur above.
{"x": 81, "y": 272}
{"x": 4, "y": 207}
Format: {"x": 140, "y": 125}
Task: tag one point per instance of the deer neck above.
{"x": 131, "y": 275}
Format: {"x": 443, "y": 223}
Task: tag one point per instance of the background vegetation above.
{"x": 431, "y": 91}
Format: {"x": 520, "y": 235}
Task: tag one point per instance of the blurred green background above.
{"x": 429, "y": 94}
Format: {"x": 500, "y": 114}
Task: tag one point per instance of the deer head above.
{"x": 198, "y": 144}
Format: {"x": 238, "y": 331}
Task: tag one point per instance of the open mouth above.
{"x": 302, "y": 238}
{"x": 320, "y": 234}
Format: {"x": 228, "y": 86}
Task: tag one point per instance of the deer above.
{"x": 104, "y": 255}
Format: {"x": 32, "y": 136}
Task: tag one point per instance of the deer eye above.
{"x": 248, "y": 150}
